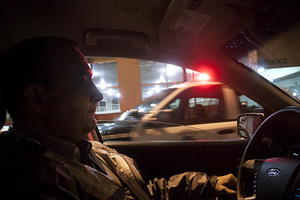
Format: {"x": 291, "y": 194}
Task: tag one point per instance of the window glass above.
{"x": 149, "y": 90}
{"x": 174, "y": 104}
{"x": 157, "y": 72}
{"x": 271, "y": 53}
{"x": 174, "y": 73}
{"x": 152, "y": 101}
{"x": 105, "y": 77}
{"x": 203, "y": 108}
{"x": 110, "y": 102}
{"x": 189, "y": 74}
{"x": 204, "y": 105}
{"x": 247, "y": 105}
{"x": 105, "y": 74}
{"x": 156, "y": 76}
{"x": 145, "y": 107}
{"x": 173, "y": 108}
{"x": 194, "y": 113}
{"x": 152, "y": 72}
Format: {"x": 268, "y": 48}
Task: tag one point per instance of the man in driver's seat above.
{"x": 47, "y": 88}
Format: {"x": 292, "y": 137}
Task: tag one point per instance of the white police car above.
{"x": 198, "y": 110}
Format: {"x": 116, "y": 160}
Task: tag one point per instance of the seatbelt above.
{"x": 122, "y": 165}
{"x": 103, "y": 165}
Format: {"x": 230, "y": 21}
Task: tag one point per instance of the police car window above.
{"x": 174, "y": 104}
{"x": 152, "y": 101}
{"x": 203, "y": 101}
{"x": 204, "y": 108}
{"x": 204, "y": 105}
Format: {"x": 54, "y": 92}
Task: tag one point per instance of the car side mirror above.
{"x": 248, "y": 123}
{"x": 165, "y": 115}
{"x": 136, "y": 114}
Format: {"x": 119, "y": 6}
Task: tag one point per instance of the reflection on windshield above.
{"x": 155, "y": 131}
{"x": 270, "y": 46}
{"x": 286, "y": 78}
{"x": 274, "y": 58}
{"x": 146, "y": 106}
{"x": 152, "y": 101}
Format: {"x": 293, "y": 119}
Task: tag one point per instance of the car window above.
{"x": 247, "y": 105}
{"x": 174, "y": 104}
{"x": 270, "y": 53}
{"x": 195, "y": 110}
{"x": 152, "y": 101}
{"x": 196, "y": 105}
{"x": 204, "y": 105}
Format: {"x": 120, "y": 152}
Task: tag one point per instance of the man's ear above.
{"x": 35, "y": 98}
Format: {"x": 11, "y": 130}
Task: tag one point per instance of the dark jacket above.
{"x": 28, "y": 170}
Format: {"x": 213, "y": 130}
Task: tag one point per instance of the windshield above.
{"x": 152, "y": 101}
{"x": 269, "y": 46}
{"x": 146, "y": 106}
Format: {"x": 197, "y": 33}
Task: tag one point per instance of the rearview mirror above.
{"x": 248, "y": 123}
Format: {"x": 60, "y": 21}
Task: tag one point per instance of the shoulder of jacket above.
{"x": 16, "y": 141}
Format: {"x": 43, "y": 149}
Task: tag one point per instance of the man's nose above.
{"x": 96, "y": 95}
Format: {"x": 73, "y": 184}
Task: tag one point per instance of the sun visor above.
{"x": 188, "y": 22}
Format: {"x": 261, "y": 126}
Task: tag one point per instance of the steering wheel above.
{"x": 278, "y": 176}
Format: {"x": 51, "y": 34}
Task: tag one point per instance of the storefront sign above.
{"x": 280, "y": 61}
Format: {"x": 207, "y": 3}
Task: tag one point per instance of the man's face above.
{"x": 73, "y": 99}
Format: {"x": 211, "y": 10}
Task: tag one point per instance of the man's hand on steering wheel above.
{"x": 223, "y": 184}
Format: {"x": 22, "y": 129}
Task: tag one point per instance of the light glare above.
{"x": 157, "y": 88}
{"x": 109, "y": 91}
{"x": 150, "y": 92}
{"x": 261, "y": 69}
{"x": 203, "y": 77}
{"x": 102, "y": 84}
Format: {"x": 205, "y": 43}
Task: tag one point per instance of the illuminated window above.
{"x": 156, "y": 76}
{"x": 105, "y": 77}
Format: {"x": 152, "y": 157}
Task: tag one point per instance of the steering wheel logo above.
{"x": 273, "y": 172}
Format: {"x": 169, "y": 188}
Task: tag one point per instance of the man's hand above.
{"x": 223, "y": 182}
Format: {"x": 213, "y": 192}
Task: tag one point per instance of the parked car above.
{"x": 196, "y": 110}
{"x": 253, "y": 47}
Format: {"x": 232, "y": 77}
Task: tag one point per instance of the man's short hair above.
{"x": 26, "y": 63}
